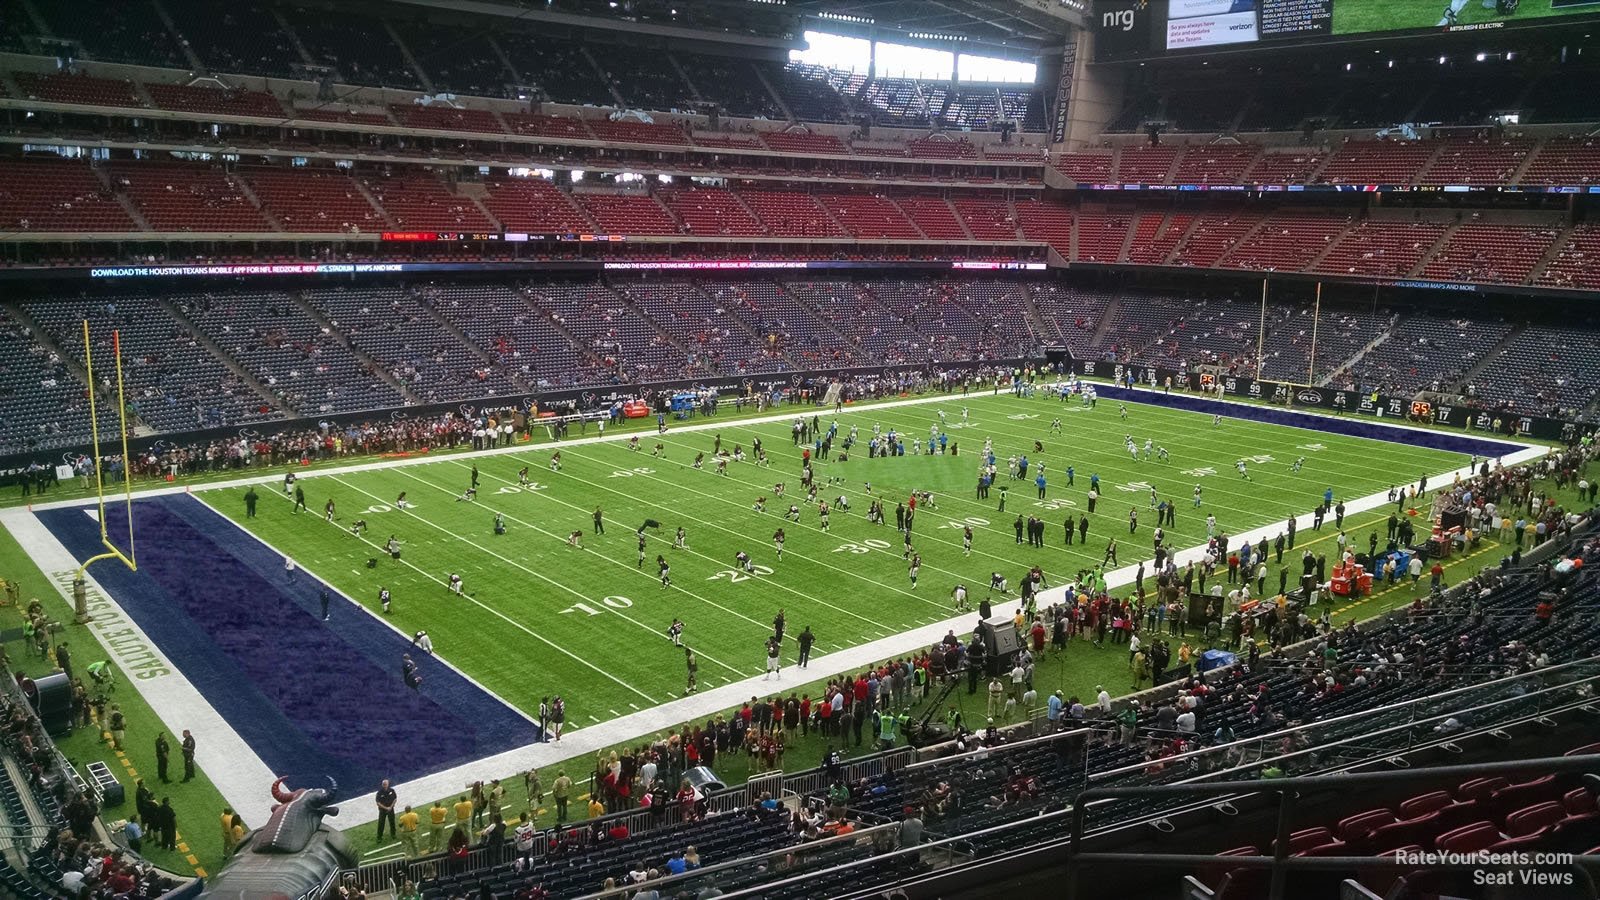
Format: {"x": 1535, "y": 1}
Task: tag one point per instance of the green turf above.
{"x": 534, "y": 598}
{"x": 198, "y": 804}
{"x": 1077, "y": 671}
{"x": 1357, "y": 17}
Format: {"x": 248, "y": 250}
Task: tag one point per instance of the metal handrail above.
{"x": 1085, "y": 798}
{"x": 1287, "y": 790}
{"x": 664, "y": 884}
{"x": 1592, "y": 662}
{"x": 1343, "y": 766}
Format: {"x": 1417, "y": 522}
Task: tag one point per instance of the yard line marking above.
{"x": 929, "y": 536}
{"x": 558, "y": 584}
{"x": 711, "y": 559}
{"x": 1119, "y": 469}
{"x": 902, "y": 591}
{"x": 491, "y": 610}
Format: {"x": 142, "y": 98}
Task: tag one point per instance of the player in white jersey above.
{"x": 960, "y": 595}
{"x": 679, "y": 539}
{"x": 455, "y": 584}
{"x": 1298, "y": 462}
{"x": 1149, "y": 445}
{"x": 1243, "y": 471}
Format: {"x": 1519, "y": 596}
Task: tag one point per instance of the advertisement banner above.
{"x": 1122, "y": 28}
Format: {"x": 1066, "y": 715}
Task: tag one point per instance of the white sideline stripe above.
{"x": 578, "y": 746}
{"x": 227, "y": 760}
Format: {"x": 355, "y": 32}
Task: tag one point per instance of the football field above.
{"x": 539, "y": 617}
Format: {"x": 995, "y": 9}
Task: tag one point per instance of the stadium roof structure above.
{"x": 1026, "y": 26}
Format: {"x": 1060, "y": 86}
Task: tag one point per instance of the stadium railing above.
{"x": 793, "y": 861}
{"x": 384, "y": 874}
{"x": 1288, "y": 791}
{"x": 1573, "y": 693}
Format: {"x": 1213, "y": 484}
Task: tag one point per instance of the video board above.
{"x": 1141, "y": 28}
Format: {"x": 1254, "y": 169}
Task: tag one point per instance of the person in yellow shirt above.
{"x": 1185, "y": 653}
{"x": 596, "y": 808}
{"x": 409, "y": 821}
{"x": 437, "y": 813}
{"x": 228, "y": 840}
{"x": 464, "y": 813}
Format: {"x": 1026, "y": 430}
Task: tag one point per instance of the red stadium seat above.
{"x": 1532, "y": 819}
{"x": 1359, "y": 827}
{"x": 1469, "y": 838}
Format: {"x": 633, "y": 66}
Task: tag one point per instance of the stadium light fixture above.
{"x": 1482, "y": 57}
{"x": 1442, "y": 60}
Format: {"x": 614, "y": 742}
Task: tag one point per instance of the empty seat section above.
{"x": 187, "y": 197}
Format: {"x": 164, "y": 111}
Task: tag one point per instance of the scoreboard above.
{"x": 1129, "y": 29}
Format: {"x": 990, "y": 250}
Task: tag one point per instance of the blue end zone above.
{"x": 312, "y": 698}
{"x": 1374, "y": 429}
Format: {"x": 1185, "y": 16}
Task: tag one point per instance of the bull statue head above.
{"x": 293, "y": 855}
{"x": 296, "y": 818}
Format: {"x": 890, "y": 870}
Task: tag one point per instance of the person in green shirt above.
{"x": 886, "y": 729}
{"x": 838, "y": 799}
{"x": 561, "y": 792}
{"x": 1128, "y": 718}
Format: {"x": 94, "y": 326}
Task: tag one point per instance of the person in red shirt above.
{"x": 805, "y": 714}
{"x": 825, "y": 713}
{"x": 1038, "y": 636}
{"x": 861, "y": 689}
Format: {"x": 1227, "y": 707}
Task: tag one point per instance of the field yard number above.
{"x": 519, "y": 488}
{"x": 1134, "y": 486}
{"x": 629, "y": 473}
{"x": 614, "y": 602}
{"x": 1021, "y": 416}
{"x": 866, "y": 546}
{"x": 974, "y": 521}
{"x": 384, "y": 507}
{"x": 1314, "y": 448}
{"x": 1200, "y": 472}
{"x": 1054, "y": 504}
{"x": 736, "y": 575}
{"x": 1260, "y": 460}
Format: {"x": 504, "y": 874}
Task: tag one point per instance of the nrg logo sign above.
{"x": 1122, "y": 19}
